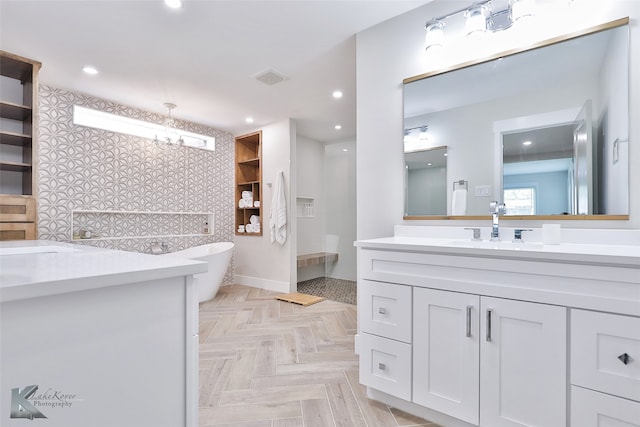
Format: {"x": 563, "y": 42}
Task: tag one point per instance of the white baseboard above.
{"x": 256, "y": 282}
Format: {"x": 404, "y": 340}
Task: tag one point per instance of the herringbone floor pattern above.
{"x": 268, "y": 363}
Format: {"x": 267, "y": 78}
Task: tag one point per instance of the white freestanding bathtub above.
{"x": 218, "y": 256}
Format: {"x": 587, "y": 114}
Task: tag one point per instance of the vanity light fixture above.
{"x": 435, "y": 34}
{"x": 481, "y": 16}
{"x": 417, "y": 138}
{"x": 476, "y": 19}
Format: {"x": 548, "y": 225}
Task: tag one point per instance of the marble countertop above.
{"x": 30, "y": 269}
{"x": 580, "y": 253}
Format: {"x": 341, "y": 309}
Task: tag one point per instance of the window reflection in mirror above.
{"x": 577, "y": 162}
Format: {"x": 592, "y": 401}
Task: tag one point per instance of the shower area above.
{"x": 325, "y": 208}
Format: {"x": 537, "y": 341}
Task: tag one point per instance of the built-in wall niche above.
{"x": 123, "y": 225}
{"x": 305, "y": 207}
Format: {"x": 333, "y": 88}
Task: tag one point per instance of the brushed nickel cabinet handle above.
{"x": 382, "y": 310}
{"x": 489, "y": 311}
{"x": 382, "y": 366}
{"x": 469, "y": 308}
{"x": 624, "y": 358}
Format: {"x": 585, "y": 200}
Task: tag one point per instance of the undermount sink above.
{"x": 501, "y": 244}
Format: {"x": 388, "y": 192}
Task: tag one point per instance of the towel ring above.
{"x": 461, "y": 183}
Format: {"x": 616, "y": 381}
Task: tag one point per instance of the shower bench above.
{"x": 316, "y": 258}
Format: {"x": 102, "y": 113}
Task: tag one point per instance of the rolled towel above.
{"x": 241, "y": 229}
{"x": 254, "y": 219}
{"x": 256, "y": 204}
{"x": 459, "y": 202}
{"x": 242, "y": 203}
{"x": 246, "y": 195}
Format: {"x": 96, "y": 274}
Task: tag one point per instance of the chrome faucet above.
{"x": 496, "y": 210}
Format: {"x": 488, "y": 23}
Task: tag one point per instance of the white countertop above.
{"x": 30, "y": 269}
{"x": 613, "y": 255}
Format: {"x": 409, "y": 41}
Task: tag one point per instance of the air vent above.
{"x": 270, "y": 77}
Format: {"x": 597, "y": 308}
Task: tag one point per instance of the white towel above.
{"x": 254, "y": 219}
{"x": 278, "y": 211}
{"x": 247, "y": 195}
{"x": 256, "y": 204}
{"x": 459, "y": 202}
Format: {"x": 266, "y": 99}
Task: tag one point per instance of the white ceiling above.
{"x": 204, "y": 56}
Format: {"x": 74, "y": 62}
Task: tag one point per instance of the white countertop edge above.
{"x": 84, "y": 270}
{"x": 568, "y": 253}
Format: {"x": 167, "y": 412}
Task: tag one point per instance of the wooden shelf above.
{"x": 248, "y": 178}
{"x": 15, "y": 166}
{"x": 17, "y": 139}
{"x": 9, "y": 110}
{"x": 21, "y": 78}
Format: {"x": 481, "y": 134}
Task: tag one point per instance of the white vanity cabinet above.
{"x": 494, "y": 338}
{"x": 489, "y": 361}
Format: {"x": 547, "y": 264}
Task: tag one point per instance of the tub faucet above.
{"x": 496, "y": 210}
{"x": 165, "y": 247}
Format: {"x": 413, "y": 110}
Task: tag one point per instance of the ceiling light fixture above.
{"x": 337, "y": 127}
{"x": 88, "y": 69}
{"x": 170, "y": 132}
{"x": 480, "y": 17}
{"x": 249, "y": 120}
{"x": 337, "y": 94}
{"x": 173, "y": 4}
{"x": 527, "y": 143}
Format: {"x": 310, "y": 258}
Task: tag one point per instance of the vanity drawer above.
{"x": 599, "y": 343}
{"x": 593, "y": 409}
{"x": 385, "y": 365}
{"x": 385, "y": 310}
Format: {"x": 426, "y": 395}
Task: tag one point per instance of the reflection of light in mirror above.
{"x": 476, "y": 19}
{"x": 527, "y": 143}
{"x": 435, "y": 35}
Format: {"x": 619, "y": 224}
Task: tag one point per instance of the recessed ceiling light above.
{"x": 429, "y": 164}
{"x": 445, "y": 154}
{"x": 174, "y": 4}
{"x": 338, "y": 127}
{"x": 345, "y": 149}
{"x": 90, "y": 70}
{"x": 249, "y": 120}
{"x": 337, "y": 94}
{"x": 527, "y": 143}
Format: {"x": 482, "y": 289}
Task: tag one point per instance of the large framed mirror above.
{"x": 543, "y": 129}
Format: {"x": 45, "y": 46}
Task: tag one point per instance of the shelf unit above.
{"x": 248, "y": 178}
{"x": 18, "y": 146}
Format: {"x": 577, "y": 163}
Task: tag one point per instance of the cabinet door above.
{"x": 592, "y": 409}
{"x": 446, "y": 352}
{"x": 523, "y": 350}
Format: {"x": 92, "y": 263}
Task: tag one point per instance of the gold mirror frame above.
{"x": 554, "y": 40}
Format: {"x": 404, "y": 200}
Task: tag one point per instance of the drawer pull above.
{"x": 624, "y": 358}
{"x": 382, "y": 366}
{"x": 381, "y": 310}
{"x": 469, "y": 307}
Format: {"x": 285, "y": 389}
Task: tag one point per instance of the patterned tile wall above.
{"x": 81, "y": 168}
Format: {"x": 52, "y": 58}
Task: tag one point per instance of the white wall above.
{"x": 340, "y": 183}
{"x": 260, "y": 263}
{"x": 614, "y": 100}
{"x": 394, "y": 50}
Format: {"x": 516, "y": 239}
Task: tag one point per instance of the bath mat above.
{"x": 301, "y": 299}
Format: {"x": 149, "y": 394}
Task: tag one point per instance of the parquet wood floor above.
{"x": 269, "y": 363}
